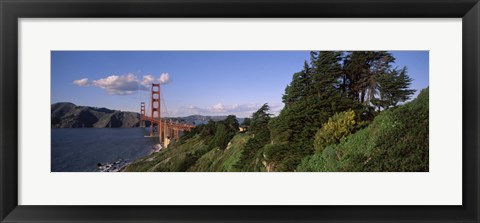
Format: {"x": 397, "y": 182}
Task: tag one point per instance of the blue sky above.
{"x": 194, "y": 82}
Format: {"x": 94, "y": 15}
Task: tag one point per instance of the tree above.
{"x": 313, "y": 96}
{"x": 355, "y": 67}
{"x": 362, "y": 70}
{"x": 300, "y": 119}
{"x": 232, "y": 123}
{"x": 393, "y": 88}
{"x": 207, "y": 131}
{"x": 260, "y": 118}
{"x": 246, "y": 122}
{"x": 327, "y": 73}
{"x": 250, "y": 159}
{"x": 333, "y": 82}
{"x": 299, "y": 87}
{"x": 224, "y": 131}
{"x": 379, "y": 64}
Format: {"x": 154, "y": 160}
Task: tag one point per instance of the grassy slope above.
{"x": 168, "y": 159}
{"x": 192, "y": 155}
{"x": 397, "y": 140}
{"x": 222, "y": 161}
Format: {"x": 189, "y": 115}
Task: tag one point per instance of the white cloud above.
{"x": 219, "y": 107}
{"x": 164, "y": 78}
{"x": 123, "y": 84}
{"x": 114, "y": 84}
{"x": 146, "y": 82}
{"x": 82, "y": 82}
{"x": 239, "y": 110}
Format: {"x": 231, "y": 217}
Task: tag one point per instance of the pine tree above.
{"x": 232, "y": 123}
{"x": 355, "y": 67}
{"x": 379, "y": 64}
{"x": 260, "y": 118}
{"x": 246, "y": 122}
{"x": 299, "y": 86}
{"x": 250, "y": 159}
{"x": 321, "y": 98}
{"x": 362, "y": 69}
{"x": 393, "y": 88}
{"x": 327, "y": 73}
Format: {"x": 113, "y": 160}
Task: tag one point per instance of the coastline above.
{"x": 121, "y": 164}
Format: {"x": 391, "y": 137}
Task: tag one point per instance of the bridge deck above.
{"x": 169, "y": 123}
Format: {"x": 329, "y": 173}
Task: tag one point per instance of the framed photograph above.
{"x": 227, "y": 111}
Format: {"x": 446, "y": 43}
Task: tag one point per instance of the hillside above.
{"x": 396, "y": 140}
{"x": 69, "y": 115}
{"x": 193, "y": 155}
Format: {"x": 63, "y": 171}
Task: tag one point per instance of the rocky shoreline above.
{"x": 116, "y": 166}
{"x": 156, "y": 149}
{"x": 120, "y": 164}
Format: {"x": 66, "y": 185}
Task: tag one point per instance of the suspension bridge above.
{"x": 164, "y": 128}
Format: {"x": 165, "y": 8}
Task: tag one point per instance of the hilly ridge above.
{"x": 69, "y": 115}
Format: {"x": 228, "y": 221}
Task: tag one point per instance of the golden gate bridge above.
{"x": 166, "y": 129}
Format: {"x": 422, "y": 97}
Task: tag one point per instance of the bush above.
{"x": 338, "y": 127}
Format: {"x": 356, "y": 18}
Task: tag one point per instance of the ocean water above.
{"x": 80, "y": 149}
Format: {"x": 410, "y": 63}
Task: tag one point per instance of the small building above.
{"x": 243, "y": 128}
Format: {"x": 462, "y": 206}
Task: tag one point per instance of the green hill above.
{"x": 193, "y": 155}
{"x": 396, "y": 140}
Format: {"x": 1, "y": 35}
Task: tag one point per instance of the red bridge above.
{"x": 166, "y": 128}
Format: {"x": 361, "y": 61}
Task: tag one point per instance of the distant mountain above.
{"x": 201, "y": 119}
{"x": 69, "y": 115}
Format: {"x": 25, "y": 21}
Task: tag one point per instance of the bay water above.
{"x": 81, "y": 149}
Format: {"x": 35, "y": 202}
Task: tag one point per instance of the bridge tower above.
{"x": 155, "y": 111}
{"x": 142, "y": 114}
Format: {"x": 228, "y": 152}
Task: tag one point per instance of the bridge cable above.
{"x": 165, "y": 105}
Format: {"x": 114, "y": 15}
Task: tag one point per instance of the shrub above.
{"x": 338, "y": 127}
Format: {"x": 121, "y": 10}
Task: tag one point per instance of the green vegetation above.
{"x": 193, "y": 155}
{"x": 338, "y": 127}
{"x": 251, "y": 157}
{"x": 344, "y": 111}
{"x": 397, "y": 140}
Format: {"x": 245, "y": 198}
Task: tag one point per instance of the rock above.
{"x": 116, "y": 166}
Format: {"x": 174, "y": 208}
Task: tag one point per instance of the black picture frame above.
{"x": 12, "y": 10}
